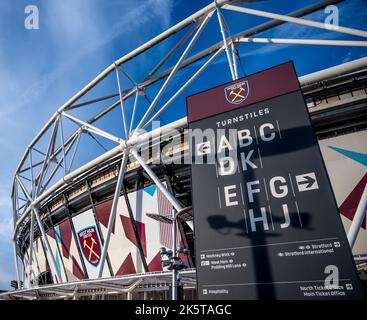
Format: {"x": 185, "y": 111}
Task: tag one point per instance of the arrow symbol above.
{"x": 306, "y": 182}
{"x": 309, "y": 181}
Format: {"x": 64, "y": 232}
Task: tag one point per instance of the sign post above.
{"x": 266, "y": 220}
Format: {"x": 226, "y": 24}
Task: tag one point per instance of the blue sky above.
{"x": 77, "y": 39}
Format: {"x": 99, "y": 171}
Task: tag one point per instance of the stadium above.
{"x": 118, "y": 223}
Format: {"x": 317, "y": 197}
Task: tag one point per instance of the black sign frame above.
{"x": 285, "y": 88}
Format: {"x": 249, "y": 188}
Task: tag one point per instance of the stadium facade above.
{"x": 96, "y": 231}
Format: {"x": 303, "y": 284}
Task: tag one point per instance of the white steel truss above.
{"x": 29, "y": 193}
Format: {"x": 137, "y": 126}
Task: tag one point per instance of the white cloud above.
{"x": 71, "y": 28}
{"x": 348, "y": 57}
{"x": 6, "y": 217}
{"x": 6, "y": 275}
{"x": 7, "y": 270}
{"x": 6, "y": 229}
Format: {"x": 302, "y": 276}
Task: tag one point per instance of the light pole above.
{"x": 174, "y": 254}
{"x": 174, "y": 262}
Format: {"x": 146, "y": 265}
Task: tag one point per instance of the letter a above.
{"x": 31, "y": 21}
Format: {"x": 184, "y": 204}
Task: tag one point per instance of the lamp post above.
{"x": 174, "y": 254}
{"x": 174, "y": 262}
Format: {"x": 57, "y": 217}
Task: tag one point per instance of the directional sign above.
{"x": 266, "y": 221}
{"x": 307, "y": 182}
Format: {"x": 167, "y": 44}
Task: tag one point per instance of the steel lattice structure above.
{"x": 33, "y": 183}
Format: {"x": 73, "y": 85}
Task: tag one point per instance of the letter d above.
{"x": 226, "y": 166}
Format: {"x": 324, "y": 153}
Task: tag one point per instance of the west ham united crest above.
{"x": 90, "y": 245}
{"x": 238, "y": 92}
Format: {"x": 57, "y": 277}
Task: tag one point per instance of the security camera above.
{"x": 165, "y": 263}
{"x": 183, "y": 250}
{"x": 179, "y": 265}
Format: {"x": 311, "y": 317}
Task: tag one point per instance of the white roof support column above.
{"x": 221, "y": 25}
{"x": 40, "y": 177}
{"x": 134, "y": 111}
{"x": 111, "y": 221}
{"x": 14, "y": 200}
{"x": 233, "y": 49}
{"x": 157, "y": 181}
{"x": 62, "y": 142}
{"x": 170, "y": 197}
{"x": 121, "y": 102}
{"x": 58, "y": 164}
{"x": 46, "y": 243}
{"x": 358, "y": 218}
{"x": 325, "y": 26}
{"x": 306, "y": 42}
{"x": 174, "y": 70}
{"x": 173, "y": 98}
{"x": 31, "y": 247}
{"x": 93, "y": 129}
{"x": 16, "y": 264}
